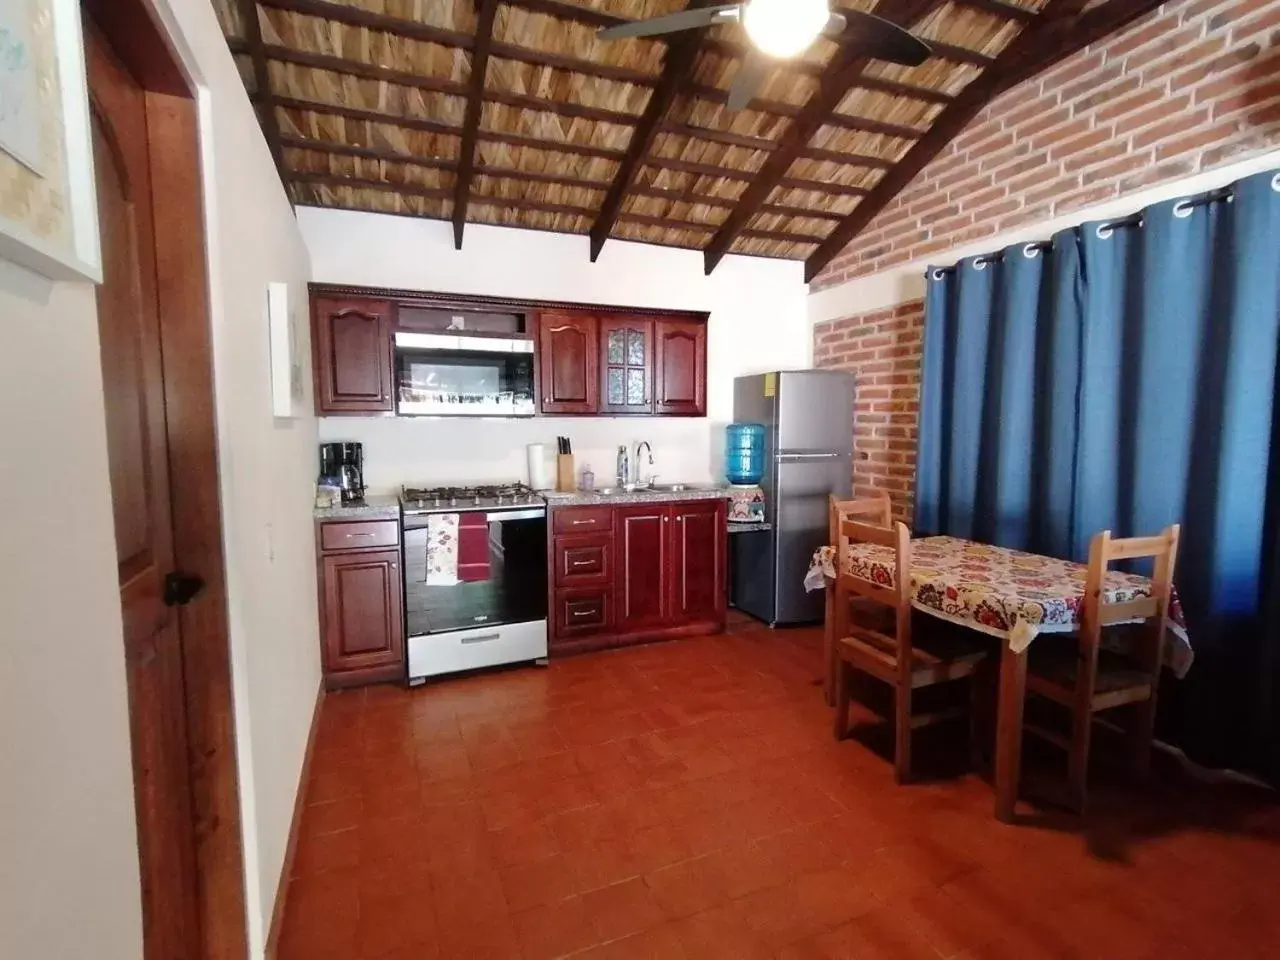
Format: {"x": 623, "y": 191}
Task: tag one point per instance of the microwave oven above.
{"x": 447, "y": 375}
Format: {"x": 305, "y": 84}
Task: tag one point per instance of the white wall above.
{"x": 68, "y": 849}
{"x": 758, "y": 323}
{"x": 68, "y": 870}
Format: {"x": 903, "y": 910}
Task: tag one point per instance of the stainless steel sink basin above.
{"x": 679, "y": 487}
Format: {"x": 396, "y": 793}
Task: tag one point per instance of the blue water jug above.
{"x": 744, "y": 453}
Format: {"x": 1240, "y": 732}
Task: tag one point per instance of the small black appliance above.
{"x": 344, "y": 462}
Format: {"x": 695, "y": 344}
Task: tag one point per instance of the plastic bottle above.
{"x": 588, "y": 478}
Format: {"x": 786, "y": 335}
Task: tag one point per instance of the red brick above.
{"x": 1134, "y": 101}
{"x": 1197, "y": 140}
{"x": 1171, "y": 128}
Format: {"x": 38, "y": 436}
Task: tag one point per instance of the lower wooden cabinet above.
{"x": 668, "y": 574}
{"x": 361, "y": 607}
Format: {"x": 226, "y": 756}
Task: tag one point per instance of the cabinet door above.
{"x": 680, "y": 367}
{"x": 626, "y": 365}
{"x": 352, "y": 350}
{"x": 568, "y": 347}
{"x": 642, "y": 586}
{"x": 363, "y": 621}
{"x": 698, "y": 543}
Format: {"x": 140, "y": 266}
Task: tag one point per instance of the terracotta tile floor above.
{"x": 687, "y": 800}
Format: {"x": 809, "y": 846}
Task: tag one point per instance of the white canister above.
{"x": 541, "y": 476}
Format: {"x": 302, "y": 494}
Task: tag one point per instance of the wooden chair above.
{"x": 1089, "y": 679}
{"x": 877, "y": 510}
{"x": 905, "y": 663}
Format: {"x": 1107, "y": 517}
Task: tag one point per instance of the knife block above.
{"x": 566, "y": 481}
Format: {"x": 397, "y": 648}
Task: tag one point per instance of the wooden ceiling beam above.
{"x": 867, "y": 125}
{"x": 844, "y": 69}
{"x": 958, "y": 54}
{"x": 677, "y": 67}
{"x": 1002, "y": 9}
{"x": 1060, "y": 31}
{"x": 485, "y": 12}
{"x": 262, "y": 80}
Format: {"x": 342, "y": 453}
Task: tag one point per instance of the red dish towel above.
{"x": 473, "y": 547}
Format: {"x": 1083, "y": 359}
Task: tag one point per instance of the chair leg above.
{"x": 842, "y": 698}
{"x": 902, "y": 734}
{"x": 1141, "y": 733}
{"x": 1078, "y": 759}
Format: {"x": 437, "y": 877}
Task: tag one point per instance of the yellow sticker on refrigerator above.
{"x": 770, "y": 384}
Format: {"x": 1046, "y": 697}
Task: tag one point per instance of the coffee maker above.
{"x": 344, "y": 463}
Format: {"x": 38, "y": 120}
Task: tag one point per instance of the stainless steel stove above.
{"x": 475, "y": 570}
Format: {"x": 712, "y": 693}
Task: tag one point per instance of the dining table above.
{"x": 1009, "y": 595}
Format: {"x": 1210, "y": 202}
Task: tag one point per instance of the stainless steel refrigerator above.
{"x": 808, "y": 421}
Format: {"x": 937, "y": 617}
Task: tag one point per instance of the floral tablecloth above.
{"x": 1002, "y": 592}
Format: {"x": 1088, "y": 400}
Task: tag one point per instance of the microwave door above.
{"x": 463, "y": 376}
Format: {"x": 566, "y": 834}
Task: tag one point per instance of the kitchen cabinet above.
{"x": 626, "y": 365}
{"x": 697, "y": 565}
{"x": 361, "y": 599}
{"x": 680, "y": 367}
{"x": 636, "y": 572}
{"x": 352, "y": 354}
{"x": 568, "y": 363}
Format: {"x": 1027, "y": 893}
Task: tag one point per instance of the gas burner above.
{"x": 426, "y": 499}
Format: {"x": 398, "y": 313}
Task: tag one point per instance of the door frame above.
{"x": 130, "y": 30}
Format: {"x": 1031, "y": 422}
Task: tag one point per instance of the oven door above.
{"x": 448, "y": 376}
{"x": 498, "y": 572}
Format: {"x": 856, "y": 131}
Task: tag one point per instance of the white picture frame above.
{"x": 64, "y": 165}
{"x": 287, "y": 391}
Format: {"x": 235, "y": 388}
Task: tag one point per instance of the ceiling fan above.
{"x": 781, "y": 29}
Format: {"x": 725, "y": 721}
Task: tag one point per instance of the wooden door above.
{"x": 567, "y": 362}
{"x": 138, "y": 456}
{"x": 697, "y": 561}
{"x": 363, "y": 620}
{"x": 626, "y": 365}
{"x": 352, "y": 355}
{"x": 642, "y": 586}
{"x": 680, "y": 367}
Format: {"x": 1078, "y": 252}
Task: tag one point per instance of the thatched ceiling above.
{"x": 513, "y": 112}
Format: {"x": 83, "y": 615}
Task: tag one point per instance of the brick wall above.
{"x": 883, "y": 350}
{"x": 1188, "y": 88}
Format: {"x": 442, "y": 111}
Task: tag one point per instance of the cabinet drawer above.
{"x": 582, "y": 560}
{"x": 582, "y": 520}
{"x": 582, "y": 612}
{"x": 359, "y": 535}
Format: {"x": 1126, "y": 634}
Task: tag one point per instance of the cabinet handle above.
{"x": 351, "y": 535}
{"x": 582, "y": 563}
{"x": 666, "y": 519}
{"x": 584, "y": 613}
{"x": 581, "y": 523}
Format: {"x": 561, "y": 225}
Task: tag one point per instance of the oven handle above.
{"x": 536, "y": 513}
{"x": 483, "y": 638}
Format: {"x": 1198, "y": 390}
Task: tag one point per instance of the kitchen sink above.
{"x": 679, "y": 487}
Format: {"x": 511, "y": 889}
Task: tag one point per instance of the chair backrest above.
{"x": 1097, "y": 613}
{"x": 874, "y": 509}
{"x": 896, "y": 597}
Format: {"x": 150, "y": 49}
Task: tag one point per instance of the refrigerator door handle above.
{"x": 783, "y": 457}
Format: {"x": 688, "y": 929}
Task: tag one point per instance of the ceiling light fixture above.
{"x": 784, "y": 28}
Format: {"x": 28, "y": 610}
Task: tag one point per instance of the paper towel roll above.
{"x": 540, "y": 474}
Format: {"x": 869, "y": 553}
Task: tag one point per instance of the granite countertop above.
{"x": 590, "y": 498}
{"x": 749, "y": 527}
{"x": 376, "y": 507}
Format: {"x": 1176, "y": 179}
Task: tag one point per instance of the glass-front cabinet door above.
{"x": 626, "y": 365}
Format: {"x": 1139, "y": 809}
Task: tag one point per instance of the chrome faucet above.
{"x": 639, "y": 474}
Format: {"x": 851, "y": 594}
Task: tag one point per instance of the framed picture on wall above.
{"x": 287, "y": 392}
{"x": 48, "y": 209}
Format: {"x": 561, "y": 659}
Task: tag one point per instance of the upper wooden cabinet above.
{"x": 680, "y": 367}
{"x": 568, "y": 369}
{"x": 626, "y": 365}
{"x": 352, "y": 355}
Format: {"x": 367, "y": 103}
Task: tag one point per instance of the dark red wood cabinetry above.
{"x": 569, "y": 375}
{"x": 626, "y": 365}
{"x": 648, "y": 571}
{"x": 680, "y": 368}
{"x": 361, "y": 615}
{"x": 352, "y": 352}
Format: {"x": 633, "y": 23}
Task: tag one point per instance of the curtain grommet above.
{"x": 1104, "y": 231}
{"x": 937, "y": 273}
{"x": 1182, "y": 209}
{"x": 1031, "y": 250}
{"x": 980, "y": 263}
{"x": 1275, "y": 183}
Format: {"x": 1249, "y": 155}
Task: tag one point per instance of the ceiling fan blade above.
{"x": 883, "y": 40}
{"x": 672, "y": 22}
{"x": 836, "y": 24}
{"x": 749, "y": 79}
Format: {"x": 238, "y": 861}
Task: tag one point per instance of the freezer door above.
{"x": 815, "y": 412}
{"x": 804, "y": 483}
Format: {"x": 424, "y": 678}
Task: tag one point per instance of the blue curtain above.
{"x": 1124, "y": 377}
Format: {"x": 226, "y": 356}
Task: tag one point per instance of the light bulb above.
{"x": 784, "y": 28}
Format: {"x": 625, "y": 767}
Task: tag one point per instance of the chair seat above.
{"x": 1052, "y": 672}
{"x": 938, "y": 654}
